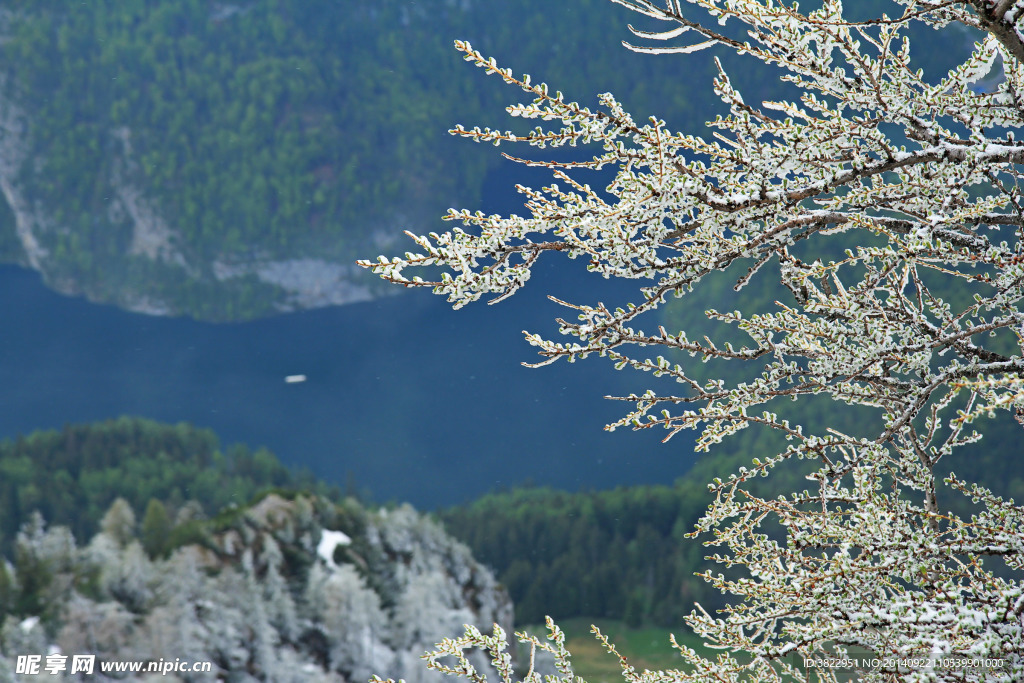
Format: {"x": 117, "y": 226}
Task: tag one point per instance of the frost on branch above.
{"x": 889, "y": 208}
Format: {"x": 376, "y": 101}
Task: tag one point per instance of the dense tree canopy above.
{"x": 72, "y": 475}
{"x": 257, "y": 131}
{"x": 887, "y": 203}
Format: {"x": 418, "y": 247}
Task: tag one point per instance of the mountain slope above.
{"x": 232, "y": 160}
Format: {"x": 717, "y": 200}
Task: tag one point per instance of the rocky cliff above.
{"x": 293, "y": 589}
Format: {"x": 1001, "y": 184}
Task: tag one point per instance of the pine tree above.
{"x": 119, "y": 522}
{"x": 351, "y": 617}
{"x": 156, "y": 528}
{"x": 279, "y": 602}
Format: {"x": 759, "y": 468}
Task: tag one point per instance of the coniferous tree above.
{"x": 119, "y": 522}
{"x": 156, "y": 528}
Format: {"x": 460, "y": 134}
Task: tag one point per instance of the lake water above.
{"x": 416, "y": 402}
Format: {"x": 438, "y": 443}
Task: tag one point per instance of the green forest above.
{"x": 71, "y": 476}
{"x": 617, "y": 554}
{"x": 621, "y": 554}
{"x": 282, "y": 129}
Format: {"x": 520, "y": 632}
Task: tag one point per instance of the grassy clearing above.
{"x": 643, "y": 648}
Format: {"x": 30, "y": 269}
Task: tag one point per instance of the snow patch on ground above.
{"x": 329, "y": 541}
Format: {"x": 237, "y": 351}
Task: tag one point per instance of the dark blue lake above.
{"x": 413, "y": 400}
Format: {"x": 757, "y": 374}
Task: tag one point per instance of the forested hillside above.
{"x": 616, "y": 554}
{"x": 231, "y": 160}
{"x": 288, "y": 588}
{"x": 164, "y": 472}
{"x": 118, "y": 533}
{"x": 622, "y": 554}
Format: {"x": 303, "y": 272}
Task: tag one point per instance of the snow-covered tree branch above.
{"x": 889, "y": 206}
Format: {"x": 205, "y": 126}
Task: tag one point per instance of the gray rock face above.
{"x": 303, "y": 282}
{"x": 29, "y": 218}
{"x": 288, "y": 590}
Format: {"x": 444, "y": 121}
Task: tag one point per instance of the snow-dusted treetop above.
{"x": 918, "y": 319}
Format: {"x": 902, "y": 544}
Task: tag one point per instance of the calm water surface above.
{"x": 413, "y": 400}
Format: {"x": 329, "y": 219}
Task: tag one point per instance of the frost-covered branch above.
{"x": 888, "y": 206}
